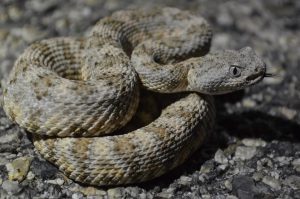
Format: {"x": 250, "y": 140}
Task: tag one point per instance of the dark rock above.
{"x": 243, "y": 187}
{"x": 43, "y": 169}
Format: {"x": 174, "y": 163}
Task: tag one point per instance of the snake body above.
{"x": 71, "y": 92}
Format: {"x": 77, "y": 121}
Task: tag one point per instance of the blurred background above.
{"x": 255, "y": 151}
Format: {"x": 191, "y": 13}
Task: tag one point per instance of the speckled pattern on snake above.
{"x": 71, "y": 93}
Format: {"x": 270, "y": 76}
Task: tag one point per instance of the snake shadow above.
{"x": 247, "y": 124}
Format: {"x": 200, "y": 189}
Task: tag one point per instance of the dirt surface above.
{"x": 255, "y": 149}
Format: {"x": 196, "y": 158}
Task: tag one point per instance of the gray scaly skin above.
{"x": 71, "y": 92}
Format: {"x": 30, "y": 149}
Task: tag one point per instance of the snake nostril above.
{"x": 156, "y": 59}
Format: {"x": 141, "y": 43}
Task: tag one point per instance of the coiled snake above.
{"x": 71, "y": 92}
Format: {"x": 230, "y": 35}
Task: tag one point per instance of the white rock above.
{"x": 11, "y": 187}
{"x": 18, "y": 168}
{"x": 220, "y": 157}
{"x": 272, "y": 182}
{"x": 115, "y": 193}
{"x": 254, "y": 142}
{"x": 30, "y": 175}
{"x": 249, "y": 103}
{"x": 185, "y": 180}
{"x": 293, "y": 182}
{"x": 231, "y": 197}
{"x": 57, "y": 181}
{"x": 245, "y": 153}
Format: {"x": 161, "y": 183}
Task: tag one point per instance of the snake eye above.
{"x": 235, "y": 71}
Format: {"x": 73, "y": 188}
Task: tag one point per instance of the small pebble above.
{"x": 206, "y": 196}
{"x": 243, "y": 187}
{"x": 31, "y": 34}
{"x": 296, "y": 164}
{"x": 3, "y": 17}
{"x": 257, "y": 176}
{"x": 228, "y": 185}
{"x": 7, "y": 138}
{"x": 77, "y": 196}
{"x": 185, "y": 180}
{"x": 18, "y": 168}
{"x": 249, "y": 103}
{"x": 4, "y": 159}
{"x": 41, "y": 6}
{"x": 206, "y": 167}
{"x": 272, "y": 182}
{"x": 132, "y": 191}
{"x": 89, "y": 191}
{"x": 287, "y": 112}
{"x": 61, "y": 24}
{"x": 115, "y": 193}
{"x": 220, "y": 157}
{"x": 222, "y": 167}
{"x": 221, "y": 40}
{"x": 264, "y": 163}
{"x": 14, "y": 13}
{"x": 245, "y": 153}
{"x": 11, "y": 187}
{"x": 293, "y": 182}
{"x": 231, "y": 197}
{"x": 3, "y": 34}
{"x": 254, "y": 142}
{"x": 225, "y": 19}
{"x": 30, "y": 175}
{"x": 57, "y": 181}
{"x": 143, "y": 196}
{"x": 283, "y": 160}
{"x": 164, "y": 195}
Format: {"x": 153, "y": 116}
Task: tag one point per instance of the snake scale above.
{"x": 72, "y": 92}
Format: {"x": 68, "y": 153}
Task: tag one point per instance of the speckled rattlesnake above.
{"x": 70, "y": 92}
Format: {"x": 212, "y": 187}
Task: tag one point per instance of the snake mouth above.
{"x": 258, "y": 75}
{"x": 254, "y": 78}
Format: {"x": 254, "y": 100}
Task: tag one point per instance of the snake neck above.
{"x": 157, "y": 77}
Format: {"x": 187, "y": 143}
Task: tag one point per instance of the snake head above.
{"x": 226, "y": 71}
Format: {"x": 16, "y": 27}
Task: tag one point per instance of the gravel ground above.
{"x": 255, "y": 150}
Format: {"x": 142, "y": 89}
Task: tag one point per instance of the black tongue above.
{"x": 269, "y": 75}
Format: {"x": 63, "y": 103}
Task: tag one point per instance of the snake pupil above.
{"x": 235, "y": 71}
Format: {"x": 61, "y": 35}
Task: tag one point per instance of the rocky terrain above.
{"x": 255, "y": 149}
